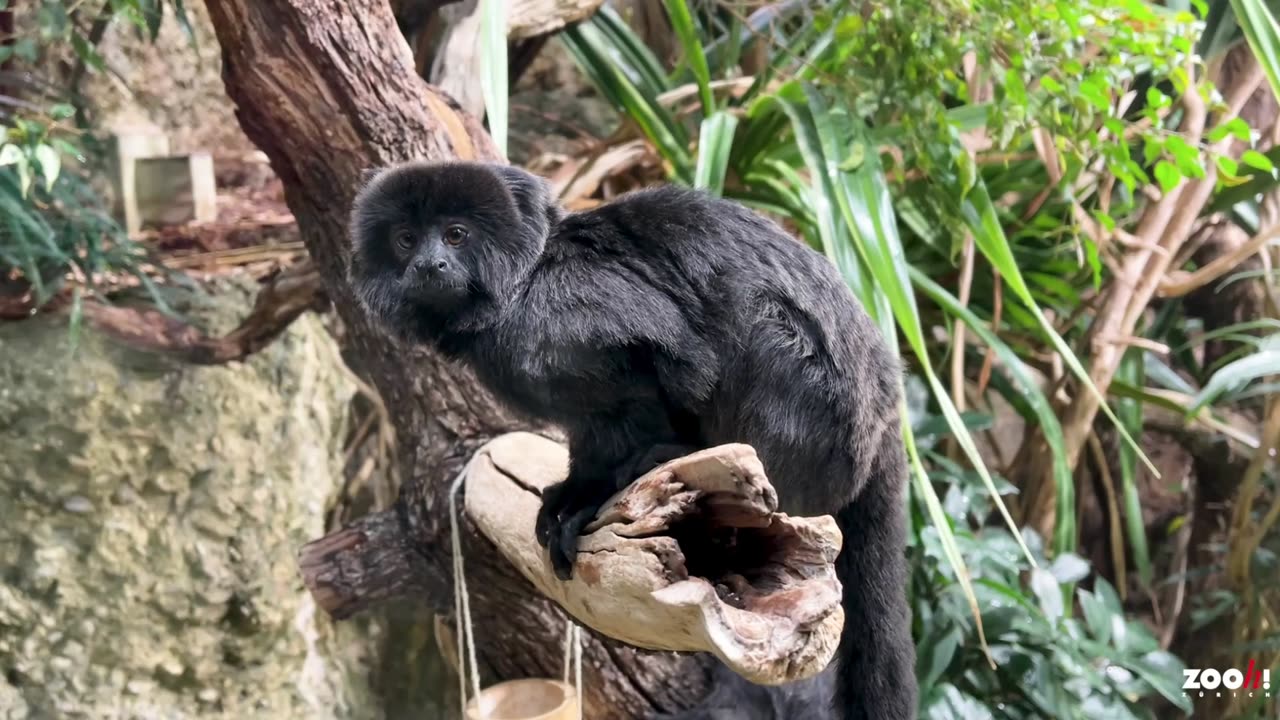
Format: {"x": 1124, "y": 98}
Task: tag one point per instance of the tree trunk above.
{"x": 327, "y": 90}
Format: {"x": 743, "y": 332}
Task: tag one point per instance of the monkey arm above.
{"x": 691, "y": 557}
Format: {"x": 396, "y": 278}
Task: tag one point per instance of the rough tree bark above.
{"x": 326, "y": 90}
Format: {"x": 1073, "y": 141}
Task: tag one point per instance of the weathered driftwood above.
{"x": 691, "y": 557}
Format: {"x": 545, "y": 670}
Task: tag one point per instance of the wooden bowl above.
{"x": 528, "y": 699}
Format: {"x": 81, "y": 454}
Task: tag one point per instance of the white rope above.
{"x": 462, "y": 601}
{"x": 462, "y": 608}
{"x": 576, "y": 631}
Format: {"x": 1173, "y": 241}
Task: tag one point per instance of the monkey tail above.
{"x": 876, "y": 675}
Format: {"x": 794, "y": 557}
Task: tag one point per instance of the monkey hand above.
{"x": 566, "y": 510}
{"x": 569, "y": 506}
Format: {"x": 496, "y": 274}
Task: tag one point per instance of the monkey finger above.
{"x": 570, "y": 531}
{"x": 549, "y": 514}
{"x": 561, "y": 563}
{"x": 542, "y": 529}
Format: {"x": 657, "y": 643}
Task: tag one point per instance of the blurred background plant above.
{"x": 1036, "y": 200}
{"x": 56, "y": 227}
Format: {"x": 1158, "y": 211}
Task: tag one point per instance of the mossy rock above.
{"x": 150, "y": 512}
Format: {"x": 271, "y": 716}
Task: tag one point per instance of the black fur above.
{"x": 662, "y": 320}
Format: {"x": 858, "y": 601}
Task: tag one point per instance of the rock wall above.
{"x": 149, "y": 516}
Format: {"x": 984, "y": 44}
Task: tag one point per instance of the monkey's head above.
{"x": 440, "y": 248}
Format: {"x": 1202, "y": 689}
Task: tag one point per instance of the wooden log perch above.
{"x": 691, "y": 557}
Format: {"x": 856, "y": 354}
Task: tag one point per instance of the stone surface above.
{"x": 149, "y": 518}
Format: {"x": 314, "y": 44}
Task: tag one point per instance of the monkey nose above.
{"x": 429, "y": 267}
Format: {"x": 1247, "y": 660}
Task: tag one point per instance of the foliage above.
{"x": 53, "y": 222}
{"x": 62, "y": 23}
{"x": 1010, "y": 151}
{"x": 493, "y": 78}
{"x": 1048, "y": 663}
{"x": 54, "y": 225}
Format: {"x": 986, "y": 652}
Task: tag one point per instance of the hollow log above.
{"x": 692, "y": 557}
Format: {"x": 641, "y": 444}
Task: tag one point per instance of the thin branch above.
{"x": 1179, "y": 283}
{"x": 988, "y": 360}
{"x": 281, "y": 301}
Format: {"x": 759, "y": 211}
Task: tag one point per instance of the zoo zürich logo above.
{"x": 1201, "y": 681}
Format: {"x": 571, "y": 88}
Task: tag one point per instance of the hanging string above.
{"x": 466, "y": 635}
{"x": 576, "y": 631}
{"x": 462, "y": 599}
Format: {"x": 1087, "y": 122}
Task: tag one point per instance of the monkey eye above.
{"x": 404, "y": 239}
{"x": 455, "y": 234}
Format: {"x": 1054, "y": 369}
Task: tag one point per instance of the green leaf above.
{"x": 1068, "y": 568}
{"x": 152, "y": 13}
{"x": 871, "y": 229}
{"x": 936, "y": 656}
{"x": 184, "y": 22}
{"x": 1227, "y": 166}
{"x": 1255, "y": 159}
{"x": 10, "y": 154}
{"x": 1164, "y": 673}
{"x": 1235, "y": 126}
{"x": 1263, "y": 33}
{"x": 980, "y": 215}
{"x": 1258, "y": 183}
{"x": 1027, "y": 387}
{"x": 628, "y": 51}
{"x": 493, "y": 75}
{"x": 1048, "y": 593}
{"x": 1167, "y": 176}
{"x": 715, "y": 141}
{"x": 23, "y": 166}
{"x": 1130, "y": 413}
{"x": 1237, "y": 374}
{"x": 87, "y": 53}
{"x": 1096, "y": 616}
{"x": 586, "y": 43}
{"x": 694, "y": 54}
{"x": 61, "y": 111}
{"x": 50, "y": 163}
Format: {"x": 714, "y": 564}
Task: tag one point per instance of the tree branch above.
{"x": 280, "y": 301}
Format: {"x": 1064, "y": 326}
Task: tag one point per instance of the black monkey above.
{"x": 662, "y": 321}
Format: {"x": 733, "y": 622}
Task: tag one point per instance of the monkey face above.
{"x": 434, "y": 267}
{"x": 438, "y": 247}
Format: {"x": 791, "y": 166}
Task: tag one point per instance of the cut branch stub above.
{"x": 691, "y": 557}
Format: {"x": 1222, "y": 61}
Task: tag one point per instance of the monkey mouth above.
{"x": 441, "y": 294}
